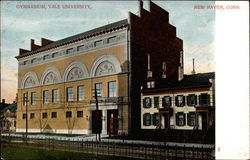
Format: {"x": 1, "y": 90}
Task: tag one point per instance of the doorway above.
{"x": 112, "y": 122}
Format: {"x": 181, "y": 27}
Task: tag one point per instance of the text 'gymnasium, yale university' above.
{"x": 136, "y": 68}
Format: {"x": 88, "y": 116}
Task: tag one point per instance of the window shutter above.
{"x": 184, "y": 101}
{"x": 144, "y": 119}
{"x": 150, "y": 102}
{"x": 184, "y": 116}
{"x": 200, "y": 100}
{"x": 188, "y": 119}
{"x": 170, "y": 100}
{"x": 195, "y": 99}
{"x": 144, "y": 103}
{"x": 163, "y": 102}
{"x": 208, "y": 99}
{"x": 176, "y": 101}
{"x": 177, "y": 119}
{"x": 188, "y": 100}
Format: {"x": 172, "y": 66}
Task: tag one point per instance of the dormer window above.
{"x": 151, "y": 84}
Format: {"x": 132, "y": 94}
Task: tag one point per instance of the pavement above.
{"x": 104, "y": 138}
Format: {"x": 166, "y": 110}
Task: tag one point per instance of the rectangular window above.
{"x": 147, "y": 102}
{"x": 68, "y": 114}
{"x": 98, "y": 43}
{"x": 204, "y": 99}
{"x": 111, "y": 89}
{"x": 147, "y": 119}
{"x": 69, "y": 94}
{"x": 45, "y": 57}
{"x": 25, "y": 62}
{"x": 25, "y": 98}
{"x": 156, "y": 102}
{"x": 156, "y": 119}
{"x": 191, "y": 100}
{"x": 32, "y": 115}
{"x": 191, "y": 118}
{"x": 53, "y": 114}
{"x": 45, "y": 115}
{"x": 69, "y": 51}
{"x": 166, "y": 101}
{"x": 98, "y": 87}
{"x": 79, "y": 114}
{"x": 55, "y": 96}
{"x": 24, "y": 115}
{"x": 180, "y": 119}
{"x": 80, "y": 93}
{"x": 33, "y": 98}
{"x": 45, "y": 97}
{"x": 112, "y": 39}
{"x": 56, "y": 54}
{"x": 180, "y": 101}
{"x": 80, "y": 48}
{"x": 34, "y": 60}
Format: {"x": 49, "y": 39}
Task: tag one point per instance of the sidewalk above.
{"x": 104, "y": 138}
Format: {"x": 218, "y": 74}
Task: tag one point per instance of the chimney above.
{"x": 22, "y": 51}
{"x": 149, "y": 72}
{"x": 140, "y": 7}
{"x": 164, "y": 70}
{"x": 45, "y": 41}
{"x": 33, "y": 46}
{"x": 193, "y": 72}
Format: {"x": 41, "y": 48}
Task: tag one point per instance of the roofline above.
{"x": 85, "y": 35}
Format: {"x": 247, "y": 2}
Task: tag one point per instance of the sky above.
{"x": 18, "y": 25}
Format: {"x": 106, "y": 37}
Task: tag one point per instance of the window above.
{"x": 55, "y": 96}
{"x": 53, "y": 114}
{"x": 45, "y": 97}
{"x": 25, "y": 98}
{"x": 14, "y": 123}
{"x": 156, "y": 102}
{"x": 98, "y": 43}
{"x": 191, "y": 100}
{"x": 147, "y": 102}
{"x": 56, "y": 54}
{"x": 34, "y": 60}
{"x": 166, "y": 101}
{"x": 191, "y": 118}
{"x": 69, "y": 51}
{"x": 32, "y": 115}
{"x": 68, "y": 114}
{"x": 79, "y": 114}
{"x": 80, "y": 48}
{"x": 147, "y": 119}
{"x": 112, "y": 39}
{"x": 80, "y": 93}
{"x": 98, "y": 87}
{"x": 45, "y": 57}
{"x": 180, "y": 119}
{"x": 24, "y": 115}
{"x": 156, "y": 119}
{"x": 25, "y": 62}
{"x": 69, "y": 94}
{"x": 151, "y": 84}
{"x": 180, "y": 100}
{"x": 33, "y": 98}
{"x": 204, "y": 99}
{"x": 111, "y": 89}
{"x": 45, "y": 115}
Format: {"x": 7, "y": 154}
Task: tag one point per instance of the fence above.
{"x": 119, "y": 149}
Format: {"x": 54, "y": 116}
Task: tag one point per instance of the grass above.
{"x": 11, "y": 152}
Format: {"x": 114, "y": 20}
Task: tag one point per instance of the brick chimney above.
{"x": 140, "y": 7}
{"x": 22, "y": 51}
{"x": 33, "y": 46}
{"x": 45, "y": 41}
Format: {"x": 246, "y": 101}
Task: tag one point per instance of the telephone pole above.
{"x": 26, "y": 104}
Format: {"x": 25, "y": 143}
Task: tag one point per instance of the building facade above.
{"x": 57, "y": 79}
{"x": 187, "y": 104}
{"x": 8, "y": 118}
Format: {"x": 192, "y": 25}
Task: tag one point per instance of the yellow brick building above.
{"x": 58, "y": 79}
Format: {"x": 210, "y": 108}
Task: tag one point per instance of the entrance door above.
{"x": 204, "y": 121}
{"x": 112, "y": 121}
{"x": 166, "y": 121}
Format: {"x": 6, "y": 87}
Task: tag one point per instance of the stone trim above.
{"x": 31, "y": 75}
{"x": 55, "y": 72}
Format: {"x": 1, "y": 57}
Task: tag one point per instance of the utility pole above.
{"x": 26, "y": 104}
